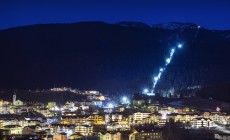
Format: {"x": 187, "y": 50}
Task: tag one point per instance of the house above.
{"x": 11, "y": 119}
{"x": 118, "y": 126}
{"x": 138, "y": 99}
{"x": 62, "y": 128}
{"x": 110, "y": 135}
{"x": 2, "y": 102}
{"x": 154, "y": 107}
{"x": 76, "y": 136}
{"x": 96, "y": 119}
{"x": 146, "y": 134}
{"x": 153, "y": 118}
{"x": 14, "y": 129}
{"x": 219, "y": 117}
{"x": 138, "y": 102}
{"x": 4, "y": 108}
{"x": 29, "y": 130}
{"x": 116, "y": 117}
{"x": 81, "y": 119}
{"x": 69, "y": 105}
{"x": 4, "y": 132}
{"x": 51, "y": 105}
{"x": 45, "y": 111}
{"x": 140, "y": 115}
{"x": 84, "y": 130}
{"x": 206, "y": 115}
{"x": 202, "y": 123}
{"x": 185, "y": 118}
{"x": 78, "y": 119}
{"x": 60, "y": 136}
{"x": 18, "y": 103}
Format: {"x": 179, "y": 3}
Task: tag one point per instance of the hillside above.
{"x": 111, "y": 58}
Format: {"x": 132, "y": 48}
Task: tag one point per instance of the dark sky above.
{"x": 212, "y": 14}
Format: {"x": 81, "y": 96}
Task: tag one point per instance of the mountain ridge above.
{"x": 127, "y": 24}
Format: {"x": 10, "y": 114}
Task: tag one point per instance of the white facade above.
{"x": 139, "y": 116}
{"x": 202, "y": 123}
{"x": 84, "y": 130}
{"x": 218, "y": 117}
{"x": 60, "y": 136}
{"x": 18, "y": 103}
{"x": 116, "y": 117}
{"x": 4, "y": 109}
{"x": 110, "y": 136}
{"x": 92, "y": 92}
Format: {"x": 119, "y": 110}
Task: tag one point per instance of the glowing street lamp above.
{"x": 146, "y": 90}
{"x": 168, "y": 60}
{"x": 110, "y": 105}
{"x": 124, "y": 99}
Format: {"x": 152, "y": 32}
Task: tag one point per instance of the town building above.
{"x": 110, "y": 135}
{"x": 202, "y": 123}
{"x": 84, "y": 130}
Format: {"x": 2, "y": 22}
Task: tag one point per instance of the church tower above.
{"x": 14, "y": 99}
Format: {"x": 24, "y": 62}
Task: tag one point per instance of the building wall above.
{"x": 198, "y": 123}
{"x": 27, "y": 131}
{"x": 109, "y": 136}
{"x": 146, "y": 136}
{"x": 59, "y": 137}
{"x": 84, "y": 130}
{"x": 140, "y": 116}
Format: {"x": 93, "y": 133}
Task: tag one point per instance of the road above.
{"x": 222, "y": 129}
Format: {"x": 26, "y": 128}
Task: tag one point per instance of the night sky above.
{"x": 212, "y": 14}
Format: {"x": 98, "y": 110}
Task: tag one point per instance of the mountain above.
{"x": 119, "y": 57}
{"x": 134, "y": 24}
{"x": 176, "y": 26}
